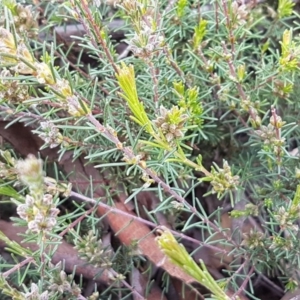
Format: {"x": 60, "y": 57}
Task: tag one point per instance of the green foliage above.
{"x": 202, "y": 102}
{"x": 181, "y": 4}
{"x": 180, "y": 257}
{"x": 285, "y": 8}
{"x": 199, "y": 34}
{"x": 126, "y": 81}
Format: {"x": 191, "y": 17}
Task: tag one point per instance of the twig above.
{"x": 18, "y": 266}
{"x": 124, "y": 282}
{"x": 73, "y": 224}
{"x": 244, "y": 284}
{"x": 228, "y": 22}
{"x": 130, "y": 155}
{"x": 96, "y": 30}
{"x": 153, "y": 72}
{"x": 148, "y": 223}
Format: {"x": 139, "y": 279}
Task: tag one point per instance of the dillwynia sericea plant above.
{"x": 120, "y": 116}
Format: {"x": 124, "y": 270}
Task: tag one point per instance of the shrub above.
{"x": 124, "y": 117}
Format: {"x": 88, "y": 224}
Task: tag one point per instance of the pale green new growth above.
{"x": 180, "y": 257}
{"x": 285, "y": 8}
{"x": 126, "y": 80}
{"x": 199, "y": 33}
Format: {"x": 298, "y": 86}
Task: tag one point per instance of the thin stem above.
{"x": 130, "y": 155}
{"x": 153, "y": 72}
{"x": 148, "y": 223}
{"x": 18, "y": 266}
{"x": 31, "y": 259}
{"x": 124, "y": 282}
{"x": 244, "y": 284}
{"x": 229, "y": 27}
{"x": 88, "y": 16}
{"x": 238, "y": 84}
